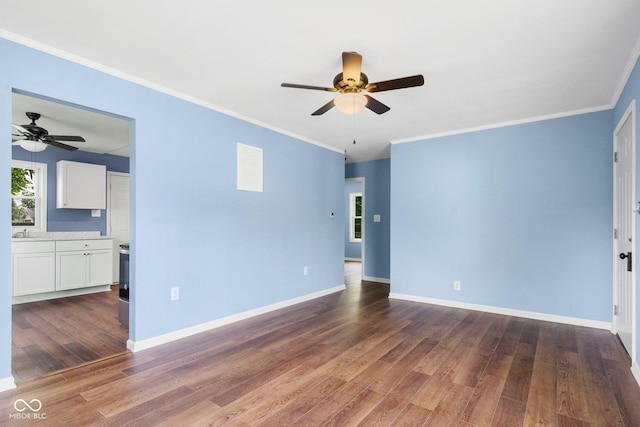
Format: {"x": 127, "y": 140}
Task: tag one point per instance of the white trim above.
{"x": 352, "y": 217}
{"x": 116, "y": 243}
{"x": 60, "y": 294}
{"x": 361, "y": 180}
{"x": 631, "y": 63}
{"x": 136, "y": 346}
{"x": 108, "y": 213}
{"x": 504, "y": 124}
{"x": 7, "y": 383}
{"x": 142, "y": 82}
{"x": 42, "y": 178}
{"x": 128, "y": 77}
{"x": 629, "y": 114}
{"x": 635, "y": 370}
{"x": 376, "y": 279}
{"x": 506, "y": 311}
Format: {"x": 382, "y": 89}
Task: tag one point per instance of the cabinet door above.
{"x": 33, "y": 273}
{"x": 70, "y": 270}
{"x": 81, "y": 185}
{"x": 99, "y": 268}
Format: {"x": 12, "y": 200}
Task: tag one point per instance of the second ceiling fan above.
{"x": 33, "y": 137}
{"x": 351, "y": 82}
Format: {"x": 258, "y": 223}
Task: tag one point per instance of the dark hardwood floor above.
{"x": 48, "y": 336}
{"x": 352, "y": 358}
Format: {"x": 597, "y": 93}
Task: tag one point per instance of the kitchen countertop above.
{"x": 59, "y": 235}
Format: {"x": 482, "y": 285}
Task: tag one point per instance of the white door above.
{"x": 624, "y": 146}
{"x": 118, "y": 215}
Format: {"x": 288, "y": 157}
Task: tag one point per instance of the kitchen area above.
{"x": 70, "y": 235}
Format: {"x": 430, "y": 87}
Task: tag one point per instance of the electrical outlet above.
{"x": 305, "y": 270}
{"x": 175, "y": 293}
{"x": 456, "y": 285}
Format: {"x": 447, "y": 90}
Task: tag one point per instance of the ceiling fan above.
{"x": 351, "y": 82}
{"x": 33, "y": 137}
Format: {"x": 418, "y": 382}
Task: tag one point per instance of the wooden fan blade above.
{"x": 351, "y": 68}
{"x": 67, "y": 138}
{"x": 326, "y": 107}
{"x": 297, "y": 86}
{"x": 376, "y": 106}
{"x": 54, "y": 143}
{"x": 401, "y": 83}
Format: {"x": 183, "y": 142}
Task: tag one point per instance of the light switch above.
{"x": 376, "y": 218}
{"x": 96, "y": 213}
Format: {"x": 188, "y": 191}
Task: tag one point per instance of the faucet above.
{"x": 19, "y": 233}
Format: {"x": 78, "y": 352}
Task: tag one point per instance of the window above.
{"x": 355, "y": 217}
{"x": 29, "y": 203}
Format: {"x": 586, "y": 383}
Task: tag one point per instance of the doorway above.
{"x": 624, "y": 230}
{"x": 117, "y": 215}
{"x": 61, "y": 333}
{"x": 354, "y": 238}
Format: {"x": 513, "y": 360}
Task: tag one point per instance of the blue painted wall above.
{"x": 521, "y": 215}
{"x": 631, "y": 92}
{"x": 352, "y": 250}
{"x": 377, "y": 201}
{"x": 71, "y": 219}
{"x": 228, "y": 250}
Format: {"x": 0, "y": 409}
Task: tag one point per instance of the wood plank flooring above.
{"x": 353, "y": 358}
{"x": 48, "y": 336}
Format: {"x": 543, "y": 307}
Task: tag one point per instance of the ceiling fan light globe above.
{"x": 33, "y": 146}
{"x": 350, "y": 103}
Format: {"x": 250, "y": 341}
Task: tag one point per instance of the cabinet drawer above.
{"x": 32, "y": 247}
{"x": 81, "y": 245}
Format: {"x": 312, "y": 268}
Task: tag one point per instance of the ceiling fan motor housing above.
{"x": 33, "y": 127}
{"x": 345, "y": 87}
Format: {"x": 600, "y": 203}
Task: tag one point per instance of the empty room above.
{"x": 278, "y": 213}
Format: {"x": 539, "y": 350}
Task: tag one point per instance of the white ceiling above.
{"x": 485, "y": 62}
{"x": 103, "y": 133}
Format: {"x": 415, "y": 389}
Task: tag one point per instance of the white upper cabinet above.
{"x": 81, "y": 185}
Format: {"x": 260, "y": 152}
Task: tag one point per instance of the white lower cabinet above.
{"x": 33, "y": 267}
{"x": 44, "y": 268}
{"x": 83, "y": 269}
{"x": 83, "y": 263}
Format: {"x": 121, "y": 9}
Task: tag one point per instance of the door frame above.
{"x": 629, "y": 114}
{"x": 116, "y": 248}
{"x": 364, "y": 220}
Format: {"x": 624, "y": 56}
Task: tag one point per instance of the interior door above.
{"x": 118, "y": 213}
{"x": 624, "y": 230}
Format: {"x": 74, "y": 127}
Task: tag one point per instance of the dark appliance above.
{"x": 123, "y": 303}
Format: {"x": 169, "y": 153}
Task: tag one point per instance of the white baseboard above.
{"x": 508, "y": 311}
{"x": 203, "y": 327}
{"x": 376, "y": 279}
{"x": 60, "y": 294}
{"x": 635, "y": 370}
{"x": 7, "y": 384}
